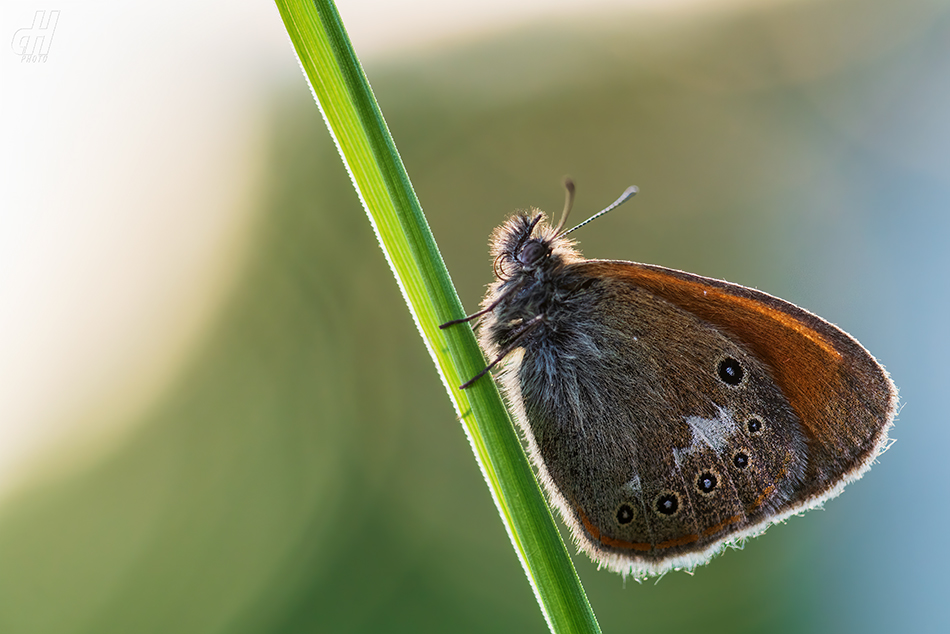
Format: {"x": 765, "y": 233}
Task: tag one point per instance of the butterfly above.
{"x": 667, "y": 414}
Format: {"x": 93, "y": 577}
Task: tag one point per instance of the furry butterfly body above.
{"x": 667, "y": 414}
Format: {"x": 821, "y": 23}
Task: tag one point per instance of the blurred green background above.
{"x": 306, "y": 472}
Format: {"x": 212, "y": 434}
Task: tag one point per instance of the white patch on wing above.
{"x": 634, "y": 485}
{"x": 711, "y": 432}
{"x": 679, "y": 454}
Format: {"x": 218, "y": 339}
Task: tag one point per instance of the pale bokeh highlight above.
{"x": 132, "y": 166}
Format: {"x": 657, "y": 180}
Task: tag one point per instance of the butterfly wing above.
{"x": 669, "y": 414}
{"x": 844, "y": 398}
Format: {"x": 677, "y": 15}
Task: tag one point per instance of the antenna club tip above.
{"x": 627, "y": 193}
{"x": 569, "y": 184}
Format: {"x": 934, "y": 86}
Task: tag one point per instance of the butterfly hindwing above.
{"x": 651, "y": 453}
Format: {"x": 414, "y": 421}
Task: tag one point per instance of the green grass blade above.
{"x": 357, "y": 126}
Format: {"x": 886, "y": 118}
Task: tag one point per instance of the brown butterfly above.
{"x": 668, "y": 414}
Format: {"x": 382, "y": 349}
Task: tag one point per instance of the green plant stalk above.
{"x": 362, "y": 137}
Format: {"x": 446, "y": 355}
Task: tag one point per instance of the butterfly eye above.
{"x": 730, "y": 372}
{"x": 707, "y": 482}
{"x": 667, "y": 504}
{"x": 532, "y": 253}
{"x": 755, "y": 425}
{"x": 624, "y": 514}
{"x": 740, "y": 459}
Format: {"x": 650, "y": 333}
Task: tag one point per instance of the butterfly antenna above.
{"x": 627, "y": 193}
{"x": 568, "y": 203}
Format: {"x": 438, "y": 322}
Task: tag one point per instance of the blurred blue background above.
{"x": 301, "y": 469}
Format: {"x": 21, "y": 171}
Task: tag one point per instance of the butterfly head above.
{"x": 526, "y": 245}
